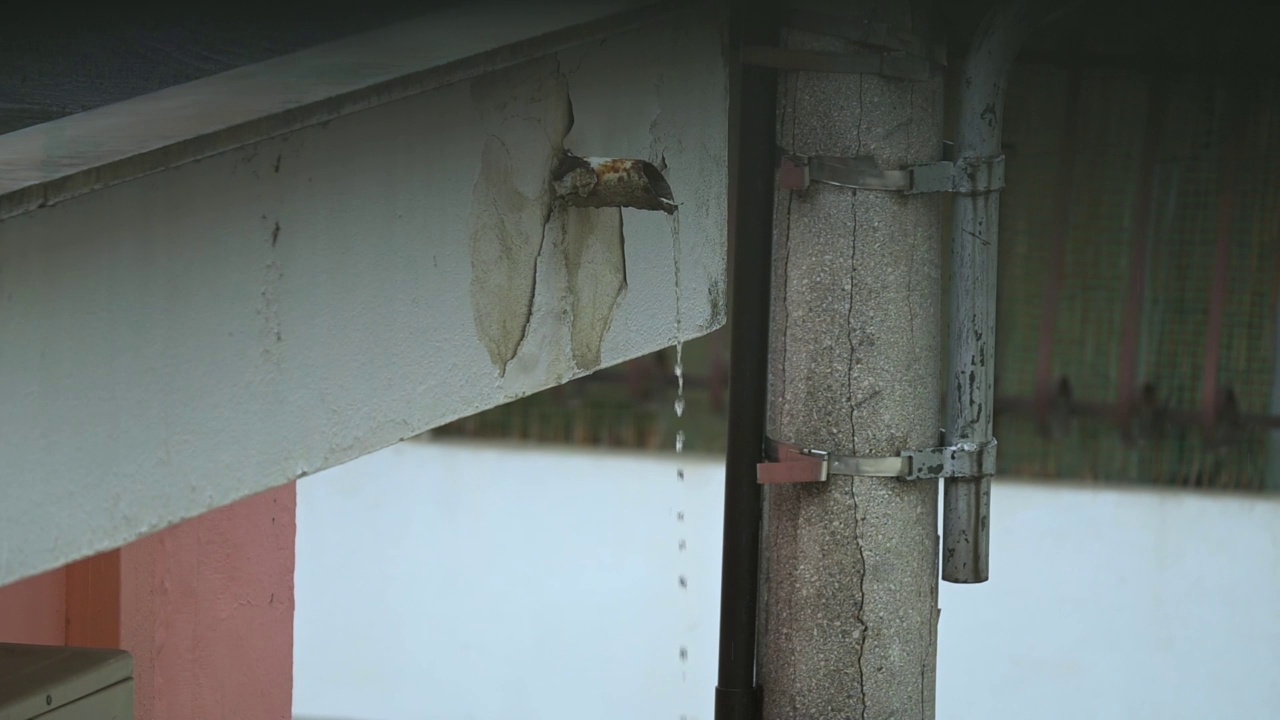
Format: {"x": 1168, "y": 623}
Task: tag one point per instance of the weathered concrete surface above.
{"x": 173, "y": 341}
{"x": 596, "y": 260}
{"x": 526, "y": 112}
{"x": 849, "y": 613}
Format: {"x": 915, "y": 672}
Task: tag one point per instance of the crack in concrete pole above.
{"x": 849, "y": 610}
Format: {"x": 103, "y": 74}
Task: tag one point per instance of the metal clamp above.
{"x": 865, "y": 32}
{"x": 892, "y": 64}
{"x": 966, "y": 176}
{"x": 963, "y": 460}
{"x": 973, "y": 176}
{"x": 788, "y": 464}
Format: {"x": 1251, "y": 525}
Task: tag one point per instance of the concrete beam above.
{"x": 223, "y": 286}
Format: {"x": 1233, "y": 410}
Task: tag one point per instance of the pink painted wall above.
{"x": 208, "y": 613}
{"x": 206, "y": 608}
{"x": 35, "y": 610}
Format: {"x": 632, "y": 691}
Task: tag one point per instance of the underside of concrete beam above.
{"x": 229, "y": 284}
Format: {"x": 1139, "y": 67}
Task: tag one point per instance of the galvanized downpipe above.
{"x": 974, "y": 248}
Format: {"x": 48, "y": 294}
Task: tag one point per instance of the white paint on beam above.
{"x": 185, "y": 338}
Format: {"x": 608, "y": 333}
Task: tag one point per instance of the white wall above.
{"x": 465, "y": 581}
{"x": 1117, "y": 604}
{"x": 489, "y": 582}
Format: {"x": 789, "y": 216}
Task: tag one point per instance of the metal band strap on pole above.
{"x": 966, "y": 177}
{"x": 787, "y": 463}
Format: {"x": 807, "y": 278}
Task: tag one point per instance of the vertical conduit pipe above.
{"x": 753, "y": 132}
{"x": 1047, "y": 388}
{"x": 1127, "y": 397}
{"x": 967, "y": 500}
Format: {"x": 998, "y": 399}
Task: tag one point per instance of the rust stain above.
{"x": 612, "y": 182}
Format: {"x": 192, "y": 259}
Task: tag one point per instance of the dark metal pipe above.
{"x": 753, "y": 132}
{"x": 1234, "y": 147}
{"x": 970, "y": 401}
{"x": 1139, "y": 257}
{"x": 1046, "y": 387}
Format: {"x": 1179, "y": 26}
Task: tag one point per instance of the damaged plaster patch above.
{"x": 595, "y": 258}
{"x": 526, "y": 113}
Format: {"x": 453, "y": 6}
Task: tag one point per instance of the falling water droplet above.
{"x": 679, "y": 367}
{"x": 679, "y": 408}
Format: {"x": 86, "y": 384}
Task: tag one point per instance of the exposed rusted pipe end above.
{"x": 611, "y": 182}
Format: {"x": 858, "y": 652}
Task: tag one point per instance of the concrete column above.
{"x": 851, "y": 566}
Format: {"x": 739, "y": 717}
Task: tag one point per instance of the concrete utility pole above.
{"x": 850, "y": 565}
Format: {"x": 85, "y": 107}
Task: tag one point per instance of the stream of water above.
{"x": 681, "y": 542}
